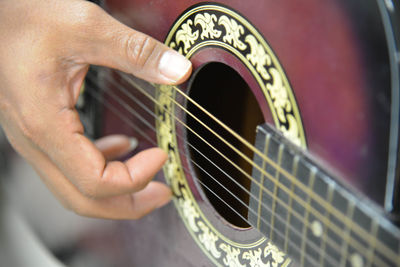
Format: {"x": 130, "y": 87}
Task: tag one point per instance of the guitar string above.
{"x": 350, "y": 224}
{"x": 278, "y": 200}
{"x": 361, "y": 232}
{"x": 283, "y": 220}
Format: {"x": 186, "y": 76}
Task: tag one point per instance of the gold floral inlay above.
{"x": 186, "y": 36}
{"x": 233, "y": 32}
{"x": 258, "y": 57}
{"x": 206, "y": 22}
{"x": 278, "y": 257}
{"x": 232, "y": 255}
{"x": 254, "y": 257}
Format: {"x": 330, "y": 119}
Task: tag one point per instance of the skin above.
{"x": 46, "y": 49}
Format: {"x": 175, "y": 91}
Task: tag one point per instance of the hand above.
{"x": 46, "y": 49}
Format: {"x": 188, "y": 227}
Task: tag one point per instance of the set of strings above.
{"x": 116, "y": 112}
{"x": 283, "y": 220}
{"x": 194, "y": 162}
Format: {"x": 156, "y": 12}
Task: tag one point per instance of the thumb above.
{"x": 107, "y": 42}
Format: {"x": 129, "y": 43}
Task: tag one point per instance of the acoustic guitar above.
{"x": 284, "y": 143}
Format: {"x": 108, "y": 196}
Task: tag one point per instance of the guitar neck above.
{"x": 312, "y": 217}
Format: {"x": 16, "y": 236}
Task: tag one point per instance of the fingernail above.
{"x": 133, "y": 143}
{"x": 173, "y": 65}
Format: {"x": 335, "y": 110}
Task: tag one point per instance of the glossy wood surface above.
{"x": 334, "y": 55}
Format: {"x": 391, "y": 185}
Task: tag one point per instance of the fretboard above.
{"x": 311, "y": 216}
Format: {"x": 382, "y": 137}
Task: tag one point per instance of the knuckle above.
{"x": 139, "y": 184}
{"x": 30, "y": 128}
{"x": 82, "y": 210}
{"x": 88, "y": 12}
{"x": 70, "y": 120}
{"x": 78, "y": 208}
{"x": 89, "y": 190}
{"x": 4, "y": 106}
{"x": 68, "y": 205}
{"x": 80, "y": 205}
{"x": 137, "y": 216}
{"x": 85, "y": 17}
{"x": 135, "y": 213}
{"x": 139, "y": 49}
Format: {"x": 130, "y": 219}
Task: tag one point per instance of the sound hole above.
{"x": 220, "y": 90}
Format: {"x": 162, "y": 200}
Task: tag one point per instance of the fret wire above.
{"x": 345, "y": 243}
{"x": 275, "y": 193}
{"x": 360, "y": 231}
{"x": 262, "y": 181}
{"x": 380, "y": 245}
{"x": 313, "y": 172}
{"x": 372, "y": 242}
{"x": 325, "y": 220}
{"x": 276, "y": 230}
{"x": 398, "y": 253}
{"x": 290, "y": 206}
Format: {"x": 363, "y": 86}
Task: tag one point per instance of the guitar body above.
{"x": 319, "y": 71}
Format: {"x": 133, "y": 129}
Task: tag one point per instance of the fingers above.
{"x": 118, "y": 191}
{"x": 115, "y": 146}
{"x": 131, "y": 206}
{"x": 59, "y": 134}
{"x": 109, "y": 43}
{"x": 85, "y": 166}
{"x": 127, "y": 206}
{"x": 124, "y": 205}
